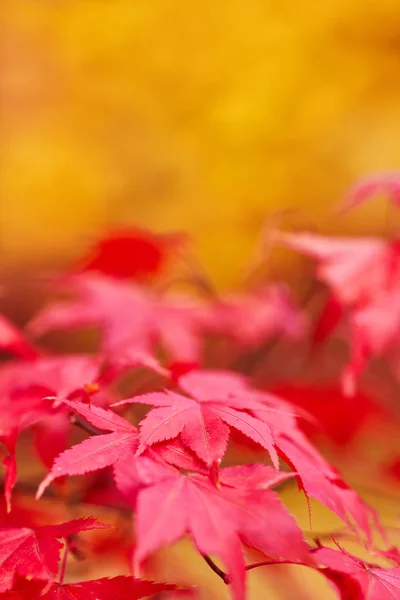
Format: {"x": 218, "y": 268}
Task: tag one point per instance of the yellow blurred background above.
{"x": 206, "y": 116}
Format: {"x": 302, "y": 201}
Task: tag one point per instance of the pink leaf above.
{"x": 132, "y": 253}
{"x": 34, "y": 553}
{"x": 329, "y": 318}
{"x": 13, "y": 341}
{"x": 91, "y": 455}
{"x": 218, "y": 399}
{"x": 364, "y": 190}
{"x": 376, "y": 583}
{"x": 117, "y": 588}
{"x": 321, "y": 481}
{"x": 363, "y": 276}
{"x": 136, "y": 325}
{"x": 218, "y": 519}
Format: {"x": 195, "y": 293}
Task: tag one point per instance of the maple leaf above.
{"x": 24, "y": 589}
{"x": 338, "y": 417}
{"x": 117, "y": 588}
{"x": 17, "y": 416}
{"x": 252, "y": 319}
{"x": 173, "y": 452}
{"x": 157, "y": 463}
{"x": 131, "y": 253}
{"x": 347, "y": 586}
{"x": 215, "y": 402}
{"x": 23, "y": 385}
{"x": 242, "y": 509}
{"x": 96, "y": 452}
{"x": 318, "y": 479}
{"x": 12, "y": 340}
{"x": 364, "y": 190}
{"x": 35, "y": 553}
{"x": 133, "y": 321}
{"x": 59, "y": 376}
{"x": 376, "y": 583}
{"x": 51, "y": 436}
{"x": 330, "y": 316}
{"x": 363, "y": 275}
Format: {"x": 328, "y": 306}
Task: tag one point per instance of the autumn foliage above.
{"x": 147, "y": 419}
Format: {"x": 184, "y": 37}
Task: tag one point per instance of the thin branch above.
{"x": 25, "y": 488}
{"x": 79, "y": 422}
{"x": 265, "y": 563}
{"x": 252, "y": 361}
{"x": 64, "y": 563}
{"x": 224, "y": 576}
{"x": 268, "y": 563}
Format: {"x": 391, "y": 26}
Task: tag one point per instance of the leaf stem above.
{"x": 79, "y": 422}
{"x": 268, "y": 563}
{"x": 224, "y": 576}
{"x": 265, "y": 563}
{"x": 64, "y": 564}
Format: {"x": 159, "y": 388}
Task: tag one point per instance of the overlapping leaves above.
{"x": 168, "y": 468}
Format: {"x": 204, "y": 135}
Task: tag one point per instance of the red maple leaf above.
{"x": 318, "y": 479}
{"x": 23, "y": 385}
{"x": 24, "y": 589}
{"x": 221, "y": 399}
{"x": 35, "y": 553}
{"x": 347, "y": 586}
{"x": 376, "y": 583}
{"x": 117, "y": 588}
{"x": 12, "y": 340}
{"x": 159, "y": 462}
{"x": 51, "y": 433}
{"x": 364, "y": 278}
{"x": 242, "y": 509}
{"x": 215, "y": 402}
{"x": 335, "y": 415}
{"x": 98, "y": 451}
{"x": 63, "y": 376}
{"x": 17, "y": 416}
{"x": 252, "y": 319}
{"x": 60, "y": 377}
{"x": 330, "y": 316}
{"x": 131, "y": 253}
{"x": 364, "y": 190}
{"x": 134, "y": 322}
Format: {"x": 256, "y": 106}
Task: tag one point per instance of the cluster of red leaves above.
{"x": 168, "y": 468}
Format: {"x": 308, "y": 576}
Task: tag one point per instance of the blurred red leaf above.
{"x": 131, "y": 253}
{"x": 364, "y": 277}
{"x": 338, "y": 417}
{"x": 117, "y": 588}
{"x": 376, "y": 583}
{"x": 364, "y": 190}
{"x": 35, "y": 553}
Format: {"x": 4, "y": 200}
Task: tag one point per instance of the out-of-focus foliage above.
{"x": 205, "y": 116}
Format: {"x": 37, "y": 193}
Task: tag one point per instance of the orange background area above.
{"x": 203, "y": 116}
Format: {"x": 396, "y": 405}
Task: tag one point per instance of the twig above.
{"x": 265, "y": 563}
{"x": 79, "y": 422}
{"x": 224, "y": 576}
{"x": 254, "y": 360}
{"x": 64, "y": 564}
{"x": 25, "y": 488}
{"x": 268, "y": 563}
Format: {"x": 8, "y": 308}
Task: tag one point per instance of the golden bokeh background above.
{"x": 206, "y": 116}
